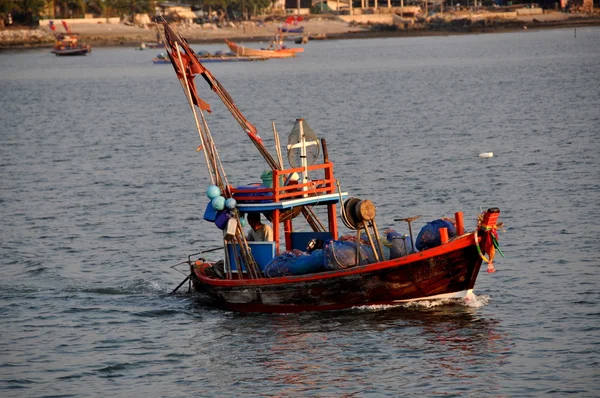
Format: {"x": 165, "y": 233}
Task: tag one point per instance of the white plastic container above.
{"x": 229, "y": 231}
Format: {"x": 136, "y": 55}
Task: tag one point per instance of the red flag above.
{"x": 192, "y": 67}
{"x": 52, "y": 26}
{"x": 199, "y": 102}
{"x": 189, "y": 71}
{"x": 66, "y": 26}
{"x": 293, "y": 19}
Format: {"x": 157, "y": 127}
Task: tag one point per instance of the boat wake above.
{"x": 471, "y": 301}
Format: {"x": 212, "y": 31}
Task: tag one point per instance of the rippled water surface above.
{"x": 102, "y": 190}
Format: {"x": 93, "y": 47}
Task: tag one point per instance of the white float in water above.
{"x": 486, "y": 154}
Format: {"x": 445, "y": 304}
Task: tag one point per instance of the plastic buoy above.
{"x": 230, "y": 203}
{"x": 213, "y": 191}
{"x": 218, "y": 203}
{"x": 486, "y": 155}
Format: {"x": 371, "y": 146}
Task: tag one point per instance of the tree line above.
{"x": 29, "y": 12}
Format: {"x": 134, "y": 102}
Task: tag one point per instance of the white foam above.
{"x": 469, "y": 300}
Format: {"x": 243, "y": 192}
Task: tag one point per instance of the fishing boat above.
{"x": 286, "y": 29}
{"x": 304, "y": 264}
{"x": 301, "y": 39}
{"x": 275, "y": 50}
{"x": 208, "y": 57}
{"x": 68, "y": 45}
{"x": 317, "y": 36}
{"x": 146, "y": 46}
{"x": 305, "y": 38}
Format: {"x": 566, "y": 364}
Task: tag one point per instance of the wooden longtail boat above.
{"x": 315, "y": 269}
{"x": 276, "y": 52}
{"x": 68, "y": 45}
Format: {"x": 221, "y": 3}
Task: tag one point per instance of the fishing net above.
{"x": 295, "y": 262}
{"x": 342, "y": 254}
{"x": 429, "y": 236}
{"x": 398, "y": 243}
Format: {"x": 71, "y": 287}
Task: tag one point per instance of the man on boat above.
{"x": 259, "y": 232}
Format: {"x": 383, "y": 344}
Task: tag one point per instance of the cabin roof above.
{"x": 288, "y": 204}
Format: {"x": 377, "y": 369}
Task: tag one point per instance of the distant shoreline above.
{"x": 106, "y": 35}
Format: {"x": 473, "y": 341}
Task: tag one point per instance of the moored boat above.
{"x": 146, "y": 46}
{"x": 307, "y": 265}
{"x": 305, "y": 38}
{"x": 68, "y": 45}
{"x": 317, "y": 36}
{"x": 286, "y": 29}
{"x": 207, "y": 57}
{"x": 274, "y": 51}
{"x": 301, "y": 39}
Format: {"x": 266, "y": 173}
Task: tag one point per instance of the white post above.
{"x": 303, "y": 156}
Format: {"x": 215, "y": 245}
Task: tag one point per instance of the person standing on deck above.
{"x": 259, "y": 232}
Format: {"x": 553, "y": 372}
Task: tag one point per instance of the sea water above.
{"x": 102, "y": 192}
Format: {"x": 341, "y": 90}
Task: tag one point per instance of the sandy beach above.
{"x": 120, "y": 34}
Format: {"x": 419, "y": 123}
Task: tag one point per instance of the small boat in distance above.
{"x": 146, "y": 46}
{"x": 208, "y": 57}
{"x": 317, "y": 36}
{"x": 303, "y": 264}
{"x": 68, "y": 45}
{"x": 285, "y": 29}
{"x": 275, "y": 50}
{"x": 305, "y": 38}
{"x": 301, "y": 39}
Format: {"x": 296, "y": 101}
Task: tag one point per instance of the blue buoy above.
{"x": 213, "y": 191}
{"x": 230, "y": 203}
{"x": 218, "y": 203}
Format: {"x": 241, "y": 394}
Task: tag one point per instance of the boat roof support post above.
{"x": 332, "y": 218}
{"x": 331, "y": 210}
{"x": 275, "y": 221}
{"x": 287, "y": 230}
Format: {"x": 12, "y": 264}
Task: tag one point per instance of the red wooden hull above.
{"x": 449, "y": 270}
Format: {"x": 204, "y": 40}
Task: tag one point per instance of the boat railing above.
{"x": 283, "y": 189}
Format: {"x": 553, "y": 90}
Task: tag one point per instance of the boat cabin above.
{"x": 288, "y": 198}
{"x": 282, "y": 202}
